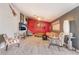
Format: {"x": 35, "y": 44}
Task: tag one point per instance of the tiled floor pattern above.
{"x": 36, "y": 46}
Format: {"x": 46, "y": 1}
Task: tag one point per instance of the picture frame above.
{"x": 56, "y": 26}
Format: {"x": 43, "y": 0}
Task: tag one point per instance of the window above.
{"x": 66, "y": 27}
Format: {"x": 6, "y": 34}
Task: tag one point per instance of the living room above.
{"x": 39, "y": 28}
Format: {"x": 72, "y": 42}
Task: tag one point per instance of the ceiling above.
{"x": 46, "y": 11}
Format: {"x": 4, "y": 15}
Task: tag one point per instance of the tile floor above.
{"x": 36, "y": 46}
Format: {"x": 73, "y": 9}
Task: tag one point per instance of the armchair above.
{"x": 58, "y": 41}
{"x": 11, "y": 41}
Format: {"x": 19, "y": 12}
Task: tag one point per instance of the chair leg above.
{"x": 49, "y": 45}
{"x": 6, "y": 47}
{"x": 59, "y": 48}
{"x": 18, "y": 44}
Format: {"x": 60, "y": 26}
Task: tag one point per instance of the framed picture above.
{"x": 56, "y": 26}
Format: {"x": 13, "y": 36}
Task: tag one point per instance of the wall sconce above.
{"x": 38, "y": 25}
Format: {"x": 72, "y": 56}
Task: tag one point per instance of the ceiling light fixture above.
{"x": 39, "y": 18}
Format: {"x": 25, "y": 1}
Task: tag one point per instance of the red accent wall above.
{"x": 36, "y": 26}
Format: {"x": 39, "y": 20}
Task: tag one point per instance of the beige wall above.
{"x": 8, "y": 22}
{"x": 73, "y": 16}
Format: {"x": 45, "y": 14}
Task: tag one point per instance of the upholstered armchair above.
{"x": 61, "y": 39}
{"x": 58, "y": 41}
{"x": 11, "y": 41}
